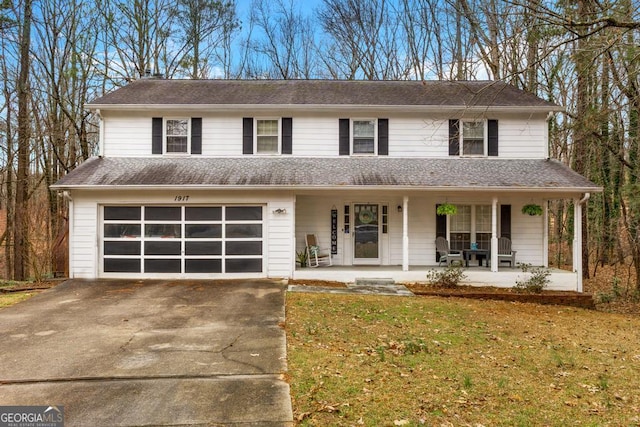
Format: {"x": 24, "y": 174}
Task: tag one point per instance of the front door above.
{"x": 366, "y": 232}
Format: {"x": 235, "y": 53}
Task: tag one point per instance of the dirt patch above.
{"x": 321, "y": 283}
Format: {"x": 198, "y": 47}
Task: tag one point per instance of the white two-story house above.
{"x": 224, "y": 178}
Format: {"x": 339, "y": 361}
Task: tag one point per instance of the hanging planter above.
{"x": 447, "y": 209}
{"x": 533, "y": 210}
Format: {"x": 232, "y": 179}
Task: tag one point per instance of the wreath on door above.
{"x": 366, "y": 216}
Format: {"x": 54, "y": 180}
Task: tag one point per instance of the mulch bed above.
{"x": 573, "y": 299}
{"x": 35, "y": 286}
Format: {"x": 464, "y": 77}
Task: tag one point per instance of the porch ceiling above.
{"x": 297, "y": 173}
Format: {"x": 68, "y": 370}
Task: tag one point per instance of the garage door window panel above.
{"x": 243, "y": 213}
{"x": 244, "y": 248}
{"x": 121, "y": 265}
{"x": 165, "y": 231}
{"x": 243, "y": 231}
{"x": 162, "y": 248}
{"x": 203, "y": 266}
{"x": 162, "y": 265}
{"x": 122, "y": 230}
{"x": 122, "y": 248}
{"x": 203, "y": 248}
{"x": 203, "y": 213}
{"x": 203, "y": 231}
{"x": 243, "y": 265}
{"x": 163, "y": 213}
{"x": 122, "y": 213}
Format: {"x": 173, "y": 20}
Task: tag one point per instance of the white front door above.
{"x": 366, "y": 234}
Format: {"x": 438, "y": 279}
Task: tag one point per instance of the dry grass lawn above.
{"x": 378, "y": 361}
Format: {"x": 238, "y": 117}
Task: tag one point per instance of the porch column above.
{"x": 577, "y": 241}
{"x": 494, "y": 234}
{"x": 405, "y": 233}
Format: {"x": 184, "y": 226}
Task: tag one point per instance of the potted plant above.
{"x": 447, "y": 209}
{"x": 302, "y": 258}
{"x": 532, "y": 210}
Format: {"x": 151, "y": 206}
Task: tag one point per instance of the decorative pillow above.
{"x": 314, "y": 250}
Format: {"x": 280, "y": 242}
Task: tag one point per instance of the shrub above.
{"x": 450, "y": 277}
{"x": 537, "y": 280}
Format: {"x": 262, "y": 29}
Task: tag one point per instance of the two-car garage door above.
{"x": 189, "y": 240}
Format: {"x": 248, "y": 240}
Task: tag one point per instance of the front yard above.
{"x": 366, "y": 360}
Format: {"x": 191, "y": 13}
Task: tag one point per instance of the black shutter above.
{"x": 287, "y": 135}
{"x": 454, "y": 137}
{"x": 156, "y": 135}
{"x": 505, "y": 221}
{"x": 247, "y": 135}
{"x": 343, "y": 138}
{"x": 441, "y": 229}
{"x": 196, "y": 135}
{"x": 383, "y": 137}
{"x": 492, "y": 134}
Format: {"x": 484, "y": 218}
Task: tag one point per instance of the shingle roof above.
{"x": 147, "y": 92}
{"x": 310, "y": 173}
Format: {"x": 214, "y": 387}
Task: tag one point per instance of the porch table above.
{"x": 479, "y": 254}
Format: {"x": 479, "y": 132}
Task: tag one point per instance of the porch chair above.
{"x": 447, "y": 255}
{"x": 505, "y": 254}
{"x": 316, "y": 255}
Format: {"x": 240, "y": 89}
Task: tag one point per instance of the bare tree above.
{"x": 21, "y": 238}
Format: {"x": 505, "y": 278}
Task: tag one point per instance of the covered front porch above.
{"x": 392, "y": 234}
{"x": 505, "y": 277}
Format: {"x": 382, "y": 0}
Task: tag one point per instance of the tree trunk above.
{"x": 21, "y": 244}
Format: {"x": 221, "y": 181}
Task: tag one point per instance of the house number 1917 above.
{"x": 181, "y": 198}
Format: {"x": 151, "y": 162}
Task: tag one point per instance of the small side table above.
{"x": 479, "y": 253}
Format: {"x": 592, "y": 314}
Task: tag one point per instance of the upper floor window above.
{"x": 473, "y": 138}
{"x": 177, "y": 136}
{"x": 364, "y": 137}
{"x": 267, "y": 136}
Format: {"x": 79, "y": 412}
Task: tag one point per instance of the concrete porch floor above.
{"x": 559, "y": 280}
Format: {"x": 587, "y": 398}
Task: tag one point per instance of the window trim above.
{"x": 473, "y": 224}
{"x": 255, "y": 135}
{"x": 352, "y": 135}
{"x": 485, "y": 137}
{"x": 164, "y": 137}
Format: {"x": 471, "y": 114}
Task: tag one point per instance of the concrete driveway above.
{"x": 124, "y": 353}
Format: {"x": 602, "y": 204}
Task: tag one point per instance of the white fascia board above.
{"x": 323, "y": 108}
{"x": 430, "y": 189}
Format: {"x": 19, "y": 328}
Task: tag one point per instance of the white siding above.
{"x": 522, "y": 138}
{"x": 127, "y": 134}
{"x": 416, "y": 136}
{"x": 221, "y": 135}
{"x": 85, "y": 238}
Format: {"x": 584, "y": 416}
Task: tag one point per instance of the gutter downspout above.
{"x": 67, "y": 196}
{"x": 100, "y": 134}
{"x": 577, "y": 238}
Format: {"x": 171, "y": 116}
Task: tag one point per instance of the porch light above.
{"x": 399, "y": 208}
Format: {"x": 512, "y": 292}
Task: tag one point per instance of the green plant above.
{"x": 447, "y": 209}
{"x": 532, "y": 210}
{"x": 450, "y": 277}
{"x": 302, "y": 258}
{"x": 536, "y": 282}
